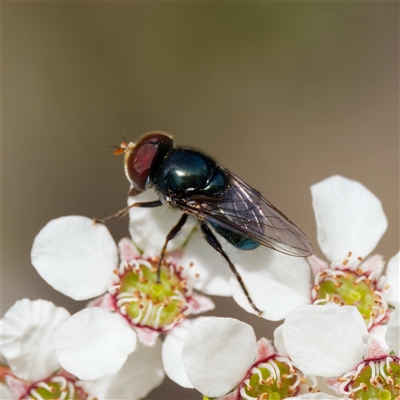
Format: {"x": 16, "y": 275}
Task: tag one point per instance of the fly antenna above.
{"x": 118, "y": 150}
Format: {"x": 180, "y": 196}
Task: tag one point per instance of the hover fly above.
{"x": 196, "y": 185}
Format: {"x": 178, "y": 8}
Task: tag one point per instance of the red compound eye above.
{"x": 143, "y": 155}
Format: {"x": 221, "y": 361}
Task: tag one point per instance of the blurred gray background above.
{"x": 284, "y": 94}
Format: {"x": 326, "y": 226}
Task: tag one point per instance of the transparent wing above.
{"x": 245, "y": 211}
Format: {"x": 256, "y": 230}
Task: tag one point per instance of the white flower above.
{"x": 80, "y": 259}
{"x": 350, "y": 222}
{"x": 333, "y": 342}
{"x": 221, "y": 357}
{"x": 277, "y": 283}
{"x": 27, "y": 336}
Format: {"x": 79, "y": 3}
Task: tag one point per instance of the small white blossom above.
{"x": 332, "y": 341}
{"x": 350, "y": 222}
{"x": 27, "y": 334}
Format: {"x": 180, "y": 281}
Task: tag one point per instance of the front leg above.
{"x": 124, "y": 211}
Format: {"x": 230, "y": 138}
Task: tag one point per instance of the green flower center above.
{"x": 352, "y": 289}
{"x": 56, "y": 387}
{"x": 147, "y": 303}
{"x": 273, "y": 379}
{"x": 374, "y": 379}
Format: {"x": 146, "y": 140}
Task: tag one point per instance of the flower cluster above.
{"x": 34, "y": 372}
{"x": 340, "y": 329}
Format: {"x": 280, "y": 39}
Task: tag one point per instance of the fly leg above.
{"x": 173, "y": 232}
{"x": 124, "y": 211}
{"x": 214, "y": 243}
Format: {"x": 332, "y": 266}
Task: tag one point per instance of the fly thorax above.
{"x": 144, "y": 302}
{"x": 352, "y": 288}
{"x": 273, "y": 379}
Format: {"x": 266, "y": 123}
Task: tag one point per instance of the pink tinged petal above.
{"x": 265, "y": 349}
{"x": 279, "y": 343}
{"x": 172, "y": 349}
{"x": 375, "y": 349}
{"x": 75, "y": 256}
{"x": 200, "y": 303}
{"x": 349, "y": 218}
{"x": 393, "y": 280}
{"x": 217, "y": 355}
{"x": 230, "y": 396}
{"x": 107, "y": 302}
{"x": 317, "y": 265}
{"x": 393, "y": 332}
{"x": 150, "y": 226}
{"x": 277, "y": 283}
{"x": 94, "y": 342}
{"x": 315, "y": 396}
{"x": 325, "y": 340}
{"x": 141, "y": 373}
{"x": 373, "y": 265}
{"x": 379, "y": 332}
{"x": 334, "y": 384}
{"x": 127, "y": 250}
{"x": 5, "y": 393}
{"x": 27, "y": 331}
{"x": 17, "y": 386}
{"x": 146, "y": 336}
{"x": 206, "y": 268}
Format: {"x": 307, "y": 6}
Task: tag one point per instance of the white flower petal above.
{"x": 94, "y": 342}
{"x": 325, "y": 340}
{"x": 217, "y": 355}
{"x": 349, "y": 218}
{"x": 393, "y": 332}
{"x": 5, "y": 393}
{"x": 360, "y": 322}
{"x": 393, "y": 278}
{"x": 172, "y": 349}
{"x": 150, "y": 226}
{"x": 75, "y": 256}
{"x": 27, "y": 331}
{"x": 141, "y": 373}
{"x": 276, "y": 282}
{"x": 213, "y": 271}
{"x": 279, "y": 343}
